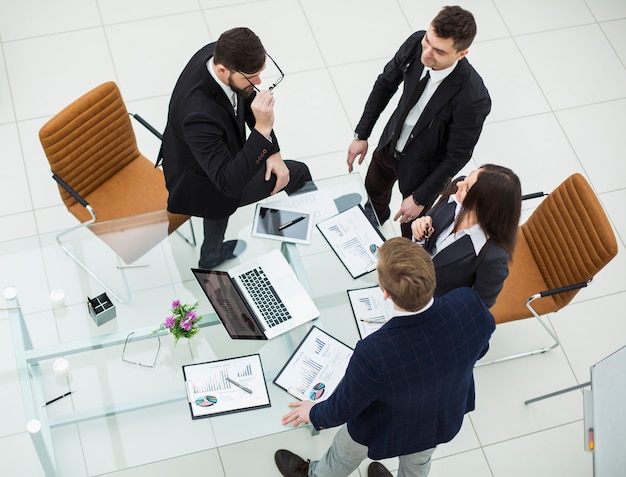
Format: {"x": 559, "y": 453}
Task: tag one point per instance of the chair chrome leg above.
{"x": 545, "y": 326}
{"x": 71, "y": 254}
{"x": 191, "y": 240}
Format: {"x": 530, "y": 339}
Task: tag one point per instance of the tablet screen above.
{"x": 282, "y": 224}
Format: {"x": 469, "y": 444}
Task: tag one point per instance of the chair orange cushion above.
{"x": 524, "y": 280}
{"x": 565, "y": 241}
{"x": 136, "y": 189}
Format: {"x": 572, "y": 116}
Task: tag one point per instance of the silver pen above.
{"x": 240, "y": 386}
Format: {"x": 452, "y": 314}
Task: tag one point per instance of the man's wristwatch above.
{"x": 357, "y": 138}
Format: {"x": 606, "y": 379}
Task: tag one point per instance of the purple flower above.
{"x": 175, "y": 303}
{"x": 170, "y": 321}
{"x": 191, "y": 316}
{"x": 186, "y": 324}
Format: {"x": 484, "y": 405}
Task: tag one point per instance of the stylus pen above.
{"x": 240, "y": 386}
{"x": 57, "y": 398}
{"x": 374, "y": 320}
{"x": 291, "y": 222}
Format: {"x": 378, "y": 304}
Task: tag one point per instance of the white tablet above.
{"x": 286, "y": 225}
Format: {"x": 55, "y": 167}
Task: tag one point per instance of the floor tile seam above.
{"x": 457, "y": 453}
{"x": 9, "y": 90}
{"x": 17, "y": 434}
{"x": 467, "y": 451}
{"x": 47, "y": 35}
{"x": 579, "y": 158}
{"x": 558, "y": 29}
{"x": 585, "y": 300}
{"x": 520, "y": 50}
{"x": 604, "y": 33}
{"x": 612, "y": 191}
{"x": 326, "y": 66}
{"x": 481, "y": 446}
{"x": 104, "y": 24}
{"x": 343, "y": 150}
{"x": 587, "y": 105}
{"x": 528, "y": 434}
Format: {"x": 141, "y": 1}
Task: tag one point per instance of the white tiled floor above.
{"x": 556, "y": 73}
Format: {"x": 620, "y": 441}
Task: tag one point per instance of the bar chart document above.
{"x": 354, "y": 240}
{"x": 316, "y": 367}
{"x": 225, "y": 386}
{"x": 370, "y": 309}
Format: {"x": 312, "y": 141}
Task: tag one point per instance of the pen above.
{"x": 57, "y": 398}
{"x": 291, "y": 222}
{"x": 373, "y": 320}
{"x": 240, "y": 386}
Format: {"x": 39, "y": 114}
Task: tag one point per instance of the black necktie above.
{"x": 415, "y": 96}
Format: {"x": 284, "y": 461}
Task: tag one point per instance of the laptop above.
{"x": 259, "y": 299}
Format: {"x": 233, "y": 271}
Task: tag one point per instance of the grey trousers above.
{"x": 345, "y": 455}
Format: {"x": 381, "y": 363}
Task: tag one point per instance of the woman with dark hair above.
{"x": 471, "y": 232}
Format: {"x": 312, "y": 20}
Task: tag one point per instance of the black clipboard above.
{"x": 225, "y": 386}
{"x": 369, "y": 309}
{"x": 354, "y": 240}
{"x": 316, "y": 367}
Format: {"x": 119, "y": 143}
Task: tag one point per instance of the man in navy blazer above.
{"x": 409, "y": 384}
{"x": 426, "y": 143}
{"x": 211, "y": 165}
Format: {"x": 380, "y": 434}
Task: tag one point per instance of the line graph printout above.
{"x": 353, "y": 239}
{"x": 225, "y": 386}
{"x": 316, "y": 367}
{"x": 370, "y": 309}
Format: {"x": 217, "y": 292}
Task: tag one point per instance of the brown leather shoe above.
{"x": 291, "y": 465}
{"x": 376, "y": 469}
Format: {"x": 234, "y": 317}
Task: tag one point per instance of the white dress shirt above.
{"x": 436, "y": 77}
{"x": 230, "y": 94}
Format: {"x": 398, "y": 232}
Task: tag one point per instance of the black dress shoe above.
{"x": 376, "y": 469}
{"x": 291, "y": 465}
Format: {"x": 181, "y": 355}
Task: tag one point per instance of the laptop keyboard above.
{"x": 265, "y": 297}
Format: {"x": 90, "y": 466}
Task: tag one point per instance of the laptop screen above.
{"x": 228, "y": 304}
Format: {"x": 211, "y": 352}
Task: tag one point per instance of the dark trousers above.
{"x": 379, "y": 180}
{"x": 381, "y": 175}
{"x": 212, "y": 251}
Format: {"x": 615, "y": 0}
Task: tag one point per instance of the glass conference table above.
{"x": 122, "y": 414}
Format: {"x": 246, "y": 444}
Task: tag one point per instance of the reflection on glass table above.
{"x": 120, "y": 414}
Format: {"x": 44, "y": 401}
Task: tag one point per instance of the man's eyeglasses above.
{"x": 124, "y": 358}
{"x": 280, "y": 78}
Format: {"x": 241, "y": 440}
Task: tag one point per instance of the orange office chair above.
{"x": 103, "y": 178}
{"x": 565, "y": 242}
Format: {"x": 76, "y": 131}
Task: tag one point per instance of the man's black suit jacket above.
{"x": 444, "y": 137}
{"x": 207, "y": 159}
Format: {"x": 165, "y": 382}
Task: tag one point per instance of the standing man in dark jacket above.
{"x": 409, "y": 384}
{"x": 212, "y": 165}
{"x": 432, "y": 133}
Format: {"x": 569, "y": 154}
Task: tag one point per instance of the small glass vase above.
{"x": 177, "y": 353}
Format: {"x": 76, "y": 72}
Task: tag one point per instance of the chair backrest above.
{"x": 566, "y": 240}
{"x": 90, "y": 141}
